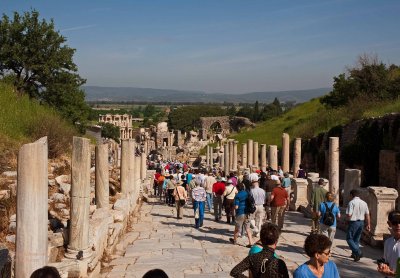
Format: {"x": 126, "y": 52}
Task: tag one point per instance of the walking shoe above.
{"x": 232, "y": 240}
{"x": 357, "y": 258}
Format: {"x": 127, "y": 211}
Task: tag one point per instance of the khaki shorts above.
{"x": 242, "y": 220}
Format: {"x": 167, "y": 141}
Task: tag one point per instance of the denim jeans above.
{"x": 200, "y": 207}
{"x": 353, "y": 236}
{"x": 209, "y": 201}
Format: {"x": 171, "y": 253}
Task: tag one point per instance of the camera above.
{"x": 380, "y": 261}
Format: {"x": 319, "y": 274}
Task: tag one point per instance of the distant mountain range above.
{"x": 133, "y": 94}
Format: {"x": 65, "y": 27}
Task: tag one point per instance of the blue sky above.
{"x": 226, "y": 46}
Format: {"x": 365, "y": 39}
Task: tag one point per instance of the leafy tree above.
{"x": 36, "y": 57}
{"x": 231, "y": 110}
{"x": 246, "y": 111}
{"x": 256, "y": 112}
{"x": 187, "y": 117}
{"x": 110, "y": 131}
{"x": 369, "y": 79}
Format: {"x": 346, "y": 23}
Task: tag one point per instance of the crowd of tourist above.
{"x": 256, "y": 202}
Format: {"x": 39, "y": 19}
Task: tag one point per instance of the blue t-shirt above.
{"x": 240, "y": 201}
{"x": 322, "y": 209}
{"x": 330, "y": 271}
{"x": 188, "y": 178}
{"x": 286, "y": 182}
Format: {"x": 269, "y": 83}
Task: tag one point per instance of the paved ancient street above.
{"x": 162, "y": 241}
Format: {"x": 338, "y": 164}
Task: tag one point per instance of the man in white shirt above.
{"x": 357, "y": 214}
{"x": 208, "y": 185}
{"x": 256, "y": 218}
{"x": 391, "y": 251}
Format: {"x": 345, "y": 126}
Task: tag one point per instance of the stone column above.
{"x": 285, "y": 152}
{"x": 137, "y": 171}
{"x": 208, "y": 156}
{"x": 227, "y": 163}
{"x": 244, "y": 155}
{"x": 263, "y": 157}
{"x": 80, "y": 199}
{"x": 273, "y": 156}
{"x": 119, "y": 155}
{"x": 222, "y": 160}
{"x": 126, "y": 154}
{"x": 352, "y": 180}
{"x": 132, "y": 165}
{"x": 296, "y": 155}
{"x": 255, "y": 155}
{"x": 102, "y": 176}
{"x": 31, "y": 235}
{"x": 211, "y": 156}
{"x": 143, "y": 166}
{"x": 235, "y": 156}
{"x": 382, "y": 200}
{"x": 300, "y": 190}
{"x": 250, "y": 153}
{"x": 334, "y": 167}
{"x": 230, "y": 154}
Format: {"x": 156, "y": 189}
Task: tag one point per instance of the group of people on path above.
{"x": 255, "y": 203}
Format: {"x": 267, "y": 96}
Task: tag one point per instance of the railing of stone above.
{"x": 93, "y": 231}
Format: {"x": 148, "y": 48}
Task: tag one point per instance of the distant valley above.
{"x": 133, "y": 94}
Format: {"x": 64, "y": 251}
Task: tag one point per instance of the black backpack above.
{"x": 328, "y": 218}
{"x": 250, "y": 204}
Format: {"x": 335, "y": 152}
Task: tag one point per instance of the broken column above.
{"x": 244, "y": 155}
{"x": 334, "y": 167}
{"x": 250, "y": 153}
{"x": 255, "y": 155}
{"x": 230, "y": 154}
{"x": 263, "y": 157}
{"x": 211, "y": 156}
{"x": 126, "y": 154}
{"x": 273, "y": 156}
{"x": 208, "y": 156}
{"x": 226, "y": 159}
{"x": 132, "y": 165}
{"x": 235, "y": 156}
{"x": 296, "y": 155}
{"x": 31, "y": 235}
{"x": 382, "y": 200}
{"x": 80, "y": 200}
{"x": 285, "y": 152}
{"x": 300, "y": 193}
{"x": 143, "y": 166}
{"x": 102, "y": 176}
{"x": 352, "y": 180}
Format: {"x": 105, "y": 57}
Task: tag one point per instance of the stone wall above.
{"x": 360, "y": 145}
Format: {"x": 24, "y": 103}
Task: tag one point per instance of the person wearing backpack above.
{"x": 264, "y": 263}
{"x": 328, "y": 213}
{"x": 317, "y": 197}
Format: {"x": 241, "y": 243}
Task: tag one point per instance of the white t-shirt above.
{"x": 357, "y": 208}
{"x": 391, "y": 252}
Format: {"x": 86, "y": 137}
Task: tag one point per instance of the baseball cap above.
{"x": 253, "y": 177}
{"x": 223, "y": 179}
{"x": 229, "y": 181}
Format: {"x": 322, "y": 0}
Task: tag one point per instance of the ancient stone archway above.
{"x": 214, "y": 125}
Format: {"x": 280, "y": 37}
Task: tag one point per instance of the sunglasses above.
{"x": 327, "y": 253}
{"x": 394, "y": 223}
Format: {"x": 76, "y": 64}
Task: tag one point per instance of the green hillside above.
{"x": 23, "y": 120}
{"x": 311, "y": 118}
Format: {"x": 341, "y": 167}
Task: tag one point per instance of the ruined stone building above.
{"x": 124, "y": 122}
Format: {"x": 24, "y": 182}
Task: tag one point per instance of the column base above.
{"x": 75, "y": 254}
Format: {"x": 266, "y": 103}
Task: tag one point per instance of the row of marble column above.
{"x": 32, "y": 195}
{"x": 251, "y": 154}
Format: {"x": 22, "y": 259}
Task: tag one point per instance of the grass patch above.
{"x": 23, "y": 120}
{"x": 312, "y": 118}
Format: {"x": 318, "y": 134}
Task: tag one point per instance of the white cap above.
{"x": 229, "y": 181}
{"x": 253, "y": 177}
{"x": 223, "y": 179}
